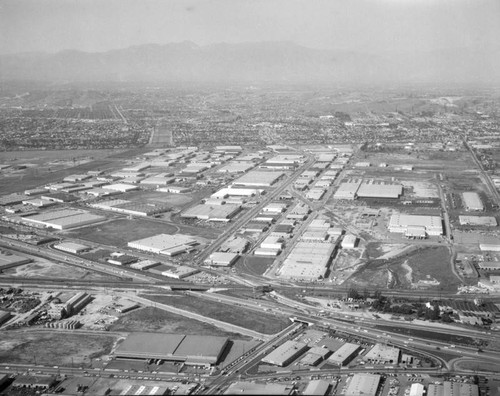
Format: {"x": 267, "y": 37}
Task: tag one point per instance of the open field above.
{"x": 426, "y": 267}
{"x": 257, "y": 321}
{"x": 158, "y": 197}
{"x": 119, "y": 232}
{"x": 253, "y": 265}
{"x": 478, "y": 365}
{"x": 44, "y": 173}
{"x": 150, "y": 319}
{"x": 65, "y": 348}
{"x": 49, "y": 269}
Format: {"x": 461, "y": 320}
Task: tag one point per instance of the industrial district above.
{"x": 347, "y": 266}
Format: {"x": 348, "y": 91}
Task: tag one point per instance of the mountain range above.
{"x": 253, "y": 62}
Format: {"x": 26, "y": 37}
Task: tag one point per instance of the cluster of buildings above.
{"x": 310, "y": 257}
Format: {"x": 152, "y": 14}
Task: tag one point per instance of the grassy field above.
{"x": 120, "y": 232}
{"x": 254, "y": 265}
{"x": 252, "y": 320}
{"x": 152, "y": 319}
{"x": 52, "y": 348}
{"x": 479, "y": 366}
{"x": 408, "y": 271}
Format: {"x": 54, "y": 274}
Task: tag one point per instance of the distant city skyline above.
{"x": 371, "y": 26}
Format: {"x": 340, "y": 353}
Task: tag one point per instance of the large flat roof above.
{"x": 149, "y": 345}
{"x": 404, "y": 220}
{"x": 258, "y": 178}
{"x": 363, "y": 384}
{"x": 203, "y": 349}
{"x": 162, "y": 242}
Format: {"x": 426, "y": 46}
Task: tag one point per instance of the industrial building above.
{"x": 383, "y": 354}
{"x": 258, "y": 388}
{"x": 489, "y": 247}
{"x": 121, "y": 187}
{"x": 179, "y": 272}
{"x": 122, "y": 259}
{"x": 174, "y": 189}
{"x": 363, "y": 384}
{"x": 285, "y": 353}
{"x": 486, "y": 221}
{"x": 452, "y": 388}
{"x": 235, "y": 192}
{"x": 130, "y": 208}
{"x": 64, "y": 219}
{"x": 221, "y": 213}
{"x": 144, "y": 264}
{"x": 344, "y": 355}
{"x": 315, "y": 356}
{"x": 236, "y": 167}
{"x": 416, "y": 226}
{"x": 417, "y": 389}
{"x": 317, "y": 387}
{"x": 307, "y": 261}
{"x": 169, "y": 245}
{"x": 472, "y": 201}
{"x": 222, "y": 259}
{"x": 189, "y": 349}
{"x": 9, "y": 260}
{"x": 357, "y": 188}
{"x": 298, "y": 212}
{"x": 71, "y": 247}
{"x": 258, "y": 179}
{"x": 349, "y": 241}
{"x": 234, "y": 245}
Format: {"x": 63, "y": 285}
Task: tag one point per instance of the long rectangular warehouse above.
{"x": 164, "y": 244}
{"x": 64, "y": 219}
{"x": 258, "y": 178}
{"x": 285, "y": 353}
{"x": 190, "y": 349}
{"x": 403, "y": 224}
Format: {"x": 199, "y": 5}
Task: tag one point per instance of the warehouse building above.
{"x": 64, "y": 219}
{"x": 489, "y": 265}
{"x": 9, "y": 260}
{"x": 452, "y": 388}
{"x": 220, "y": 213}
{"x": 190, "y": 349}
{"x": 130, "y": 208}
{"x": 236, "y": 167}
{"x": 121, "y": 187}
{"x": 174, "y": 189}
{"x": 349, "y": 241}
{"x": 383, "y": 354}
{"x": 234, "y": 245}
{"x": 307, "y": 261}
{"x": 347, "y": 190}
{"x": 363, "y": 384}
{"x": 344, "y": 355}
{"x": 489, "y": 247}
{"x": 416, "y": 226}
{"x": 417, "y": 390}
{"x": 472, "y": 201}
{"x": 258, "y": 178}
{"x": 486, "y": 221}
{"x": 222, "y": 259}
{"x": 258, "y": 388}
{"x": 235, "y": 192}
{"x": 179, "y": 272}
{"x": 285, "y": 353}
{"x": 169, "y": 245}
{"x": 71, "y": 247}
{"x": 144, "y": 265}
{"x": 122, "y": 259}
{"x": 317, "y": 387}
{"x": 315, "y": 356}
{"x": 298, "y": 212}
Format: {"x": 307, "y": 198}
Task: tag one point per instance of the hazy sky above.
{"x": 359, "y": 25}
